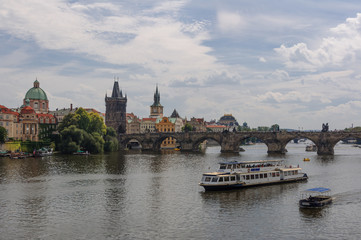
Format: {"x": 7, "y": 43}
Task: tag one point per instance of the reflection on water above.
{"x": 136, "y": 195}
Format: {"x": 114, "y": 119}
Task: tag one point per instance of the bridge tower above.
{"x": 115, "y": 110}
{"x": 156, "y": 110}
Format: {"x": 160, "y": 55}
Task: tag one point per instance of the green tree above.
{"x": 187, "y": 128}
{"x": 3, "y": 134}
{"x": 82, "y": 131}
{"x": 111, "y": 142}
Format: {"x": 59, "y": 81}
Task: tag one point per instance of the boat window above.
{"x": 238, "y": 165}
{"x": 296, "y": 172}
{"x": 256, "y": 176}
{"x": 273, "y": 174}
{"x": 220, "y": 179}
{"x": 252, "y": 176}
{"x": 233, "y": 178}
{"x": 222, "y": 166}
{"x": 277, "y": 174}
{"x": 229, "y": 166}
{"x": 208, "y": 179}
{"x": 214, "y": 179}
{"x": 226, "y": 179}
{"x": 265, "y": 175}
{"x": 247, "y": 177}
{"x": 261, "y": 176}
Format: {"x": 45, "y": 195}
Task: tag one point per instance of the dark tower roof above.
{"x": 116, "y": 92}
{"x": 156, "y": 98}
{"x": 175, "y": 114}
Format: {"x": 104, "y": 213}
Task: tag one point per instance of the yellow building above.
{"x": 166, "y": 125}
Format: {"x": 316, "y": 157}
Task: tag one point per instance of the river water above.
{"x": 137, "y": 195}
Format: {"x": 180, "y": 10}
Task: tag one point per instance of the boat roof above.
{"x": 250, "y": 162}
{"x": 318, "y": 189}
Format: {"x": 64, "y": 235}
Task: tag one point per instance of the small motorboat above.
{"x": 315, "y": 198}
{"x": 306, "y": 159}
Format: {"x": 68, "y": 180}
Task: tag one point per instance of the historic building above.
{"x": 166, "y": 125}
{"x": 115, "y": 110}
{"x": 229, "y": 121}
{"x": 133, "y": 123}
{"x": 147, "y": 125}
{"x": 32, "y": 121}
{"x": 156, "y": 109}
{"x": 198, "y": 124}
{"x": 37, "y": 98}
{"x": 10, "y": 121}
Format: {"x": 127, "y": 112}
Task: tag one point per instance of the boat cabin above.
{"x": 249, "y": 166}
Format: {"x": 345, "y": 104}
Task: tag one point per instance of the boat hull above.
{"x": 225, "y": 187}
{"x": 304, "y": 203}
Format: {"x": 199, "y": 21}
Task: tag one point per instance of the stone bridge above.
{"x": 230, "y": 141}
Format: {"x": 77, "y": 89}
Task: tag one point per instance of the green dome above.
{"x": 36, "y": 92}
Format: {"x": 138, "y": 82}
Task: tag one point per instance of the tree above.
{"x": 187, "y": 128}
{"x": 82, "y": 131}
{"x": 111, "y": 142}
{"x": 3, "y": 134}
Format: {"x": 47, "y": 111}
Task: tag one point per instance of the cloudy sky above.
{"x": 295, "y": 63}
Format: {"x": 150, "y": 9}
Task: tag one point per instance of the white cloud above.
{"x": 340, "y": 48}
{"x": 230, "y": 21}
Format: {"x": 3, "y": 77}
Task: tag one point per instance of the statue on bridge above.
{"x": 324, "y": 127}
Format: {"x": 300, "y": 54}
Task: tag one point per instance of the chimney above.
{"x": 71, "y": 107}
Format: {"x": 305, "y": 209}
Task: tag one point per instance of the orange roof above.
{"x": 6, "y": 110}
{"x": 27, "y": 110}
{"x": 149, "y": 119}
{"x": 216, "y": 126}
{"x": 46, "y": 115}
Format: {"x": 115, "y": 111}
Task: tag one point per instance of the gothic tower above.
{"x": 115, "y": 110}
{"x": 156, "y": 110}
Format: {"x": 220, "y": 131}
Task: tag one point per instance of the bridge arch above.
{"x": 158, "y": 141}
{"x": 197, "y": 142}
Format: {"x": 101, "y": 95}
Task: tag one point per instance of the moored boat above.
{"x": 311, "y": 148}
{"x": 234, "y": 175}
{"x": 42, "y": 152}
{"x": 315, "y": 198}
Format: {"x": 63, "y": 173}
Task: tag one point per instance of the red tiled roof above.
{"x": 45, "y": 115}
{"x": 27, "y": 110}
{"x": 6, "y": 110}
{"x": 216, "y": 126}
{"x": 149, "y": 119}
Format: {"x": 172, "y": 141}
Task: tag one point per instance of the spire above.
{"x": 156, "y": 97}
{"x": 116, "y": 92}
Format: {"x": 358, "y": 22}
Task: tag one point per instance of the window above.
{"x": 265, "y": 175}
{"x": 273, "y": 174}
{"x": 226, "y": 179}
{"x": 220, "y": 179}
{"x": 229, "y": 166}
{"x": 233, "y": 178}
{"x": 247, "y": 177}
{"x": 252, "y": 176}
{"x": 214, "y": 179}
{"x": 222, "y": 166}
{"x": 207, "y": 179}
{"x": 256, "y": 176}
{"x": 261, "y": 175}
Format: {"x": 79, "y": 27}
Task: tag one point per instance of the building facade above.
{"x": 115, "y": 110}
{"x": 166, "y": 125}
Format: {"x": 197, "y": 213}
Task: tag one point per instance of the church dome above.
{"x": 36, "y": 92}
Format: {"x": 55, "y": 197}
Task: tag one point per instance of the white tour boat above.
{"x": 233, "y": 175}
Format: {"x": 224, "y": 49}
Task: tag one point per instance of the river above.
{"x": 135, "y": 195}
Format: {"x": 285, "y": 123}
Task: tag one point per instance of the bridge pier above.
{"x": 229, "y": 145}
{"x": 276, "y": 148}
